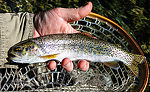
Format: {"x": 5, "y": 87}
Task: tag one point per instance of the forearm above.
{"x": 14, "y": 28}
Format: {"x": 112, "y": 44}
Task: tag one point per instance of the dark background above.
{"x": 132, "y": 15}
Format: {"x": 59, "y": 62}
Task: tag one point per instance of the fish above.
{"x": 74, "y": 46}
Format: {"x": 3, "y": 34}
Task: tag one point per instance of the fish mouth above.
{"x": 10, "y": 56}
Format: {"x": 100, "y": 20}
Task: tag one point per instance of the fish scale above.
{"x": 74, "y": 46}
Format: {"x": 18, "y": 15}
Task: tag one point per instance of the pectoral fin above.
{"x": 112, "y": 64}
{"x": 49, "y": 56}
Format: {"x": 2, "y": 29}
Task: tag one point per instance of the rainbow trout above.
{"x": 75, "y": 47}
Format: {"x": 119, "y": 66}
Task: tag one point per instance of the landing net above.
{"x": 99, "y": 78}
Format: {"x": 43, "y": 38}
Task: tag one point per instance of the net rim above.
{"x": 129, "y": 39}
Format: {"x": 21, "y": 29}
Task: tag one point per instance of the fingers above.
{"x": 56, "y": 20}
{"x": 83, "y": 65}
{"x": 52, "y": 65}
{"x": 68, "y": 65}
{"x": 73, "y": 14}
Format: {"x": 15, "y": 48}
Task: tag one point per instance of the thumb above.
{"x": 74, "y": 14}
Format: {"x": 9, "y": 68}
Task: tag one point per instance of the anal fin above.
{"x": 112, "y": 64}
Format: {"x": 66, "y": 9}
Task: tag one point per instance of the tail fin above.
{"x": 137, "y": 59}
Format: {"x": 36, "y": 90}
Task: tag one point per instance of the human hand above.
{"x": 57, "y": 21}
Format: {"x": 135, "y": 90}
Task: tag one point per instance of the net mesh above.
{"x": 98, "y": 78}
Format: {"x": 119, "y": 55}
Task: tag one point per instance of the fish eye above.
{"x": 18, "y": 49}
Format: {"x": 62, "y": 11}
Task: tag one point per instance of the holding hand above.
{"x": 57, "y": 21}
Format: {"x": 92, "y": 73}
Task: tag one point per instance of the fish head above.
{"x": 24, "y": 52}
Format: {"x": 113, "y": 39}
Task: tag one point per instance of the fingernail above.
{"x": 67, "y": 65}
{"x": 52, "y": 65}
{"x": 83, "y": 65}
{"x": 66, "y": 62}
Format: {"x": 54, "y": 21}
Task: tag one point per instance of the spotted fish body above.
{"x": 73, "y": 46}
